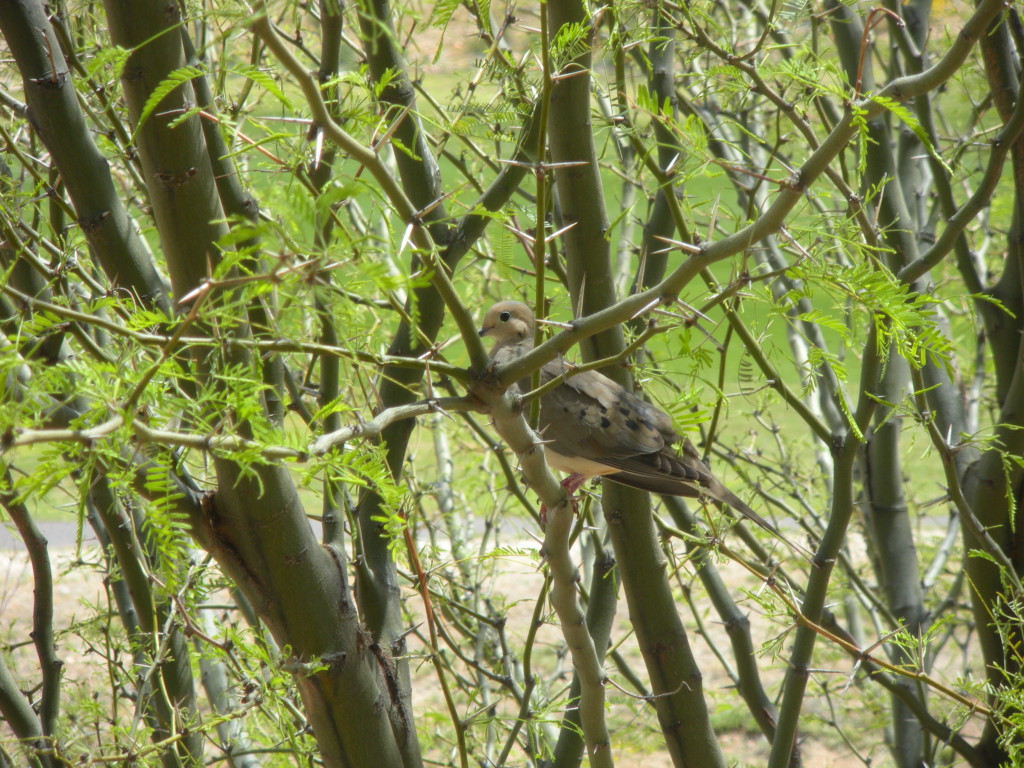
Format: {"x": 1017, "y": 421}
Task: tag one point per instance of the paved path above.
{"x": 60, "y": 534}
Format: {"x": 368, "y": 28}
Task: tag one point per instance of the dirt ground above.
{"x": 633, "y": 726}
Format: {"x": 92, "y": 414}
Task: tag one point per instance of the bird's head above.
{"x": 508, "y": 322}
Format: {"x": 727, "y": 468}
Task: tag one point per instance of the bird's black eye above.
{"x": 505, "y": 316}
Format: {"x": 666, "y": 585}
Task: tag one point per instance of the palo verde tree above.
{"x": 244, "y": 251}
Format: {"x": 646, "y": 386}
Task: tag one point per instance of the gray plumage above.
{"x": 592, "y": 426}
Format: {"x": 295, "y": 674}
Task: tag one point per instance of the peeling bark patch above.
{"x": 226, "y": 548}
{"x": 364, "y": 639}
{"x": 613, "y": 516}
{"x": 387, "y": 671}
{"x": 674, "y": 727}
{"x": 294, "y": 560}
{"x": 658, "y": 650}
{"x": 394, "y": 691}
{"x": 52, "y": 82}
{"x": 208, "y": 503}
{"x": 344, "y": 604}
{"x": 795, "y": 182}
{"x": 335, "y": 661}
{"x": 93, "y": 222}
{"x": 251, "y": 206}
{"x": 176, "y": 180}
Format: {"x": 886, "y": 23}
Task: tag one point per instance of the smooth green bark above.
{"x": 55, "y": 115}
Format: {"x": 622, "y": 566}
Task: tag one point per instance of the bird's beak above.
{"x": 483, "y": 331}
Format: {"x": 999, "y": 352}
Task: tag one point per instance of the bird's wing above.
{"x": 592, "y": 417}
{"x": 663, "y": 472}
{"x": 687, "y": 475}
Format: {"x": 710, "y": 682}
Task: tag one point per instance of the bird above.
{"x": 593, "y": 427}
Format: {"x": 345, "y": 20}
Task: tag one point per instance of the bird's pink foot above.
{"x": 573, "y": 482}
{"x": 571, "y": 485}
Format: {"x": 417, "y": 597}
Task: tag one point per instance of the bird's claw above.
{"x": 571, "y": 484}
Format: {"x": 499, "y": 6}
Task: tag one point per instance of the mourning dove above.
{"x": 593, "y": 427}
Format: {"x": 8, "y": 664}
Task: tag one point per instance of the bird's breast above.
{"x": 576, "y": 465}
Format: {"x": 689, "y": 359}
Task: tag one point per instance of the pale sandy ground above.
{"x": 633, "y": 725}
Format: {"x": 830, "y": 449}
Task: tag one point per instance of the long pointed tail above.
{"x": 719, "y": 492}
